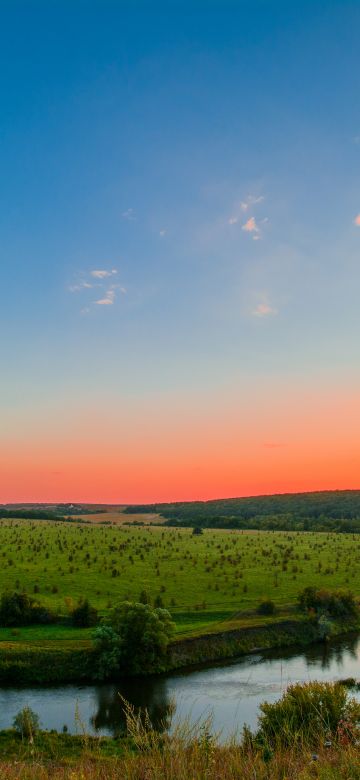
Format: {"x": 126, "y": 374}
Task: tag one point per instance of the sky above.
{"x": 179, "y": 249}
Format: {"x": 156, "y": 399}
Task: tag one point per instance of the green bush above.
{"x": 134, "y": 639}
{"x": 307, "y": 713}
{"x": 266, "y": 607}
{"x": 336, "y": 603}
{"x": 20, "y": 609}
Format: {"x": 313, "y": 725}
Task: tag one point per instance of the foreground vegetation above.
{"x": 311, "y": 732}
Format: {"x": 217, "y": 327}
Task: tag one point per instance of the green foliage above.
{"x": 307, "y": 713}
{"x": 335, "y": 603}
{"x": 26, "y": 723}
{"x": 266, "y": 607}
{"x": 84, "y": 615}
{"x": 144, "y": 597}
{"x": 133, "y": 640}
{"x": 321, "y": 511}
{"x": 20, "y": 609}
{"x": 202, "y": 579}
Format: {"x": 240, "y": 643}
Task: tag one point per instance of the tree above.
{"x": 144, "y": 597}
{"x": 134, "y": 639}
{"x": 84, "y": 615}
{"x": 20, "y": 609}
{"x": 26, "y": 723}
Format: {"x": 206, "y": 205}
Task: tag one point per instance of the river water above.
{"x": 230, "y": 692}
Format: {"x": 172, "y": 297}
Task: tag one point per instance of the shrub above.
{"x": 307, "y": 713}
{"x": 26, "y": 723}
{"x": 266, "y": 607}
{"x": 84, "y": 615}
{"x": 336, "y": 603}
{"x": 20, "y": 609}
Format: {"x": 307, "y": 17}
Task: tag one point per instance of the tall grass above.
{"x": 191, "y": 752}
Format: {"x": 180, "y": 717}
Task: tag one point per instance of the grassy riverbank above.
{"x": 69, "y": 661}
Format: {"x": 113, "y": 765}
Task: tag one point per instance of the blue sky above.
{"x": 204, "y": 158}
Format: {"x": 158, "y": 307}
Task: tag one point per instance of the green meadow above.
{"x": 207, "y": 582}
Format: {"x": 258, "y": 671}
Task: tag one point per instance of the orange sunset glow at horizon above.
{"x": 180, "y": 448}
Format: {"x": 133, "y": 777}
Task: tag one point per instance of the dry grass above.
{"x": 191, "y": 753}
{"x": 196, "y": 762}
{"x": 117, "y": 517}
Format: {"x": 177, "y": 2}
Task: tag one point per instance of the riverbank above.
{"x": 36, "y": 663}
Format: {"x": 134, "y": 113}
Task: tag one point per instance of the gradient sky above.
{"x": 179, "y": 248}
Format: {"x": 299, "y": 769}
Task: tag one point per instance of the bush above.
{"x": 336, "y": 603}
{"x": 307, "y": 713}
{"x": 26, "y": 723}
{"x": 266, "y": 607}
{"x": 84, "y": 615}
{"x": 133, "y": 640}
{"x": 20, "y": 609}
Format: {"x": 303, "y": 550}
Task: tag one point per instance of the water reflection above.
{"x": 323, "y": 655}
{"x": 149, "y": 694}
{"x": 232, "y": 691}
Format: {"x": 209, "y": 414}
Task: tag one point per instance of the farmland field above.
{"x": 205, "y": 580}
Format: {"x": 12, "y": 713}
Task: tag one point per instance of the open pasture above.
{"x": 202, "y": 580}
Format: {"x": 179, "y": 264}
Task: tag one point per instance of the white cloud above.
{"x": 103, "y": 277}
{"x": 263, "y": 309}
{"x": 101, "y": 274}
{"x": 129, "y": 214}
{"x": 162, "y": 233}
{"x": 250, "y": 226}
{"x": 244, "y": 205}
{"x": 108, "y": 300}
{"x": 253, "y": 200}
{"x": 81, "y": 286}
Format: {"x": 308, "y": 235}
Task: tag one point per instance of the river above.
{"x": 230, "y": 692}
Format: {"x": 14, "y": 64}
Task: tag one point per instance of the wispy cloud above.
{"x": 250, "y": 226}
{"x": 109, "y": 291}
{"x": 129, "y": 214}
{"x": 102, "y": 274}
{"x": 357, "y": 220}
{"x": 264, "y": 309}
{"x": 81, "y": 285}
{"x": 244, "y": 206}
{"x": 108, "y": 300}
{"x": 162, "y": 233}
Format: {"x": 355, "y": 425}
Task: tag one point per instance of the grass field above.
{"x": 205, "y": 581}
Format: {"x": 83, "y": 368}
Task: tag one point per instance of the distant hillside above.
{"x": 337, "y": 510}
